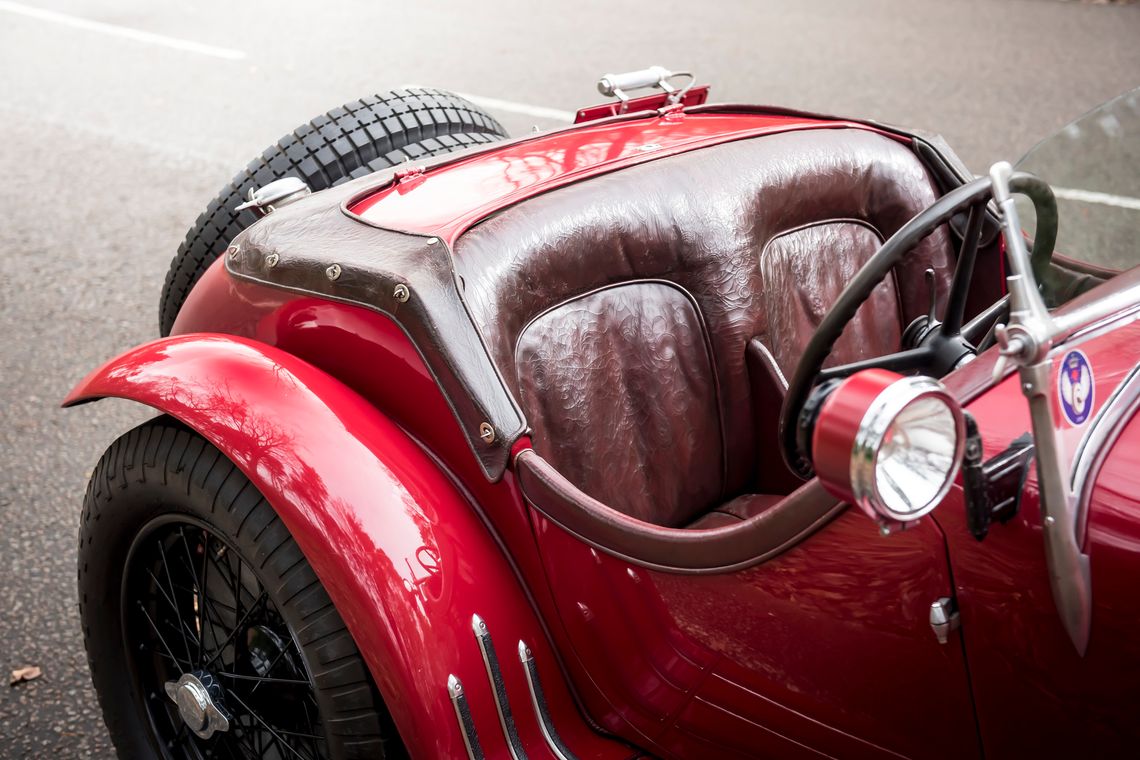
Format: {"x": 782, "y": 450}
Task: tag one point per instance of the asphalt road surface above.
{"x": 114, "y": 135}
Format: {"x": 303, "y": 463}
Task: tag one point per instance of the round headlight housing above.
{"x": 889, "y": 444}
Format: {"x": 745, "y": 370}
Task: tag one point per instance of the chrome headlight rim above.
{"x": 870, "y": 437}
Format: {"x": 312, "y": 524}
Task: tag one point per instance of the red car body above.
{"x": 824, "y": 649}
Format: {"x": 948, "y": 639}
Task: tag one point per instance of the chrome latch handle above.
{"x": 944, "y": 618}
{"x": 619, "y": 85}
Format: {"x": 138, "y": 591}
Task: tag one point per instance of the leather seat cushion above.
{"x": 619, "y": 387}
{"x": 804, "y": 271}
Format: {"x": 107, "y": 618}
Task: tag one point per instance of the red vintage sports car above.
{"x": 565, "y": 446}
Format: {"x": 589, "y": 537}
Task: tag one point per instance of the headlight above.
{"x": 889, "y": 444}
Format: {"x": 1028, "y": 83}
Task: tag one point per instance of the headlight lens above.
{"x": 917, "y": 457}
{"x": 907, "y": 449}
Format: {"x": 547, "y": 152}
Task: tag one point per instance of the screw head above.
{"x": 271, "y": 260}
{"x": 486, "y": 432}
{"x": 401, "y": 293}
{"x": 333, "y": 272}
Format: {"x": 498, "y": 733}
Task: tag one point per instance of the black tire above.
{"x": 162, "y": 477}
{"x": 358, "y": 138}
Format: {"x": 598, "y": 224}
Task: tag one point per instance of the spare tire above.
{"x": 358, "y": 138}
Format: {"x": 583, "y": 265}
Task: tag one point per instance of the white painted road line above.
{"x": 121, "y": 31}
{"x": 540, "y": 112}
{"x": 1104, "y": 199}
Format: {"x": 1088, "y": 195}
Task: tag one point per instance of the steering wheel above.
{"x": 939, "y": 347}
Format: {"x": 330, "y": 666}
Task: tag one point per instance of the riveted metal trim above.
{"x": 498, "y": 687}
{"x": 463, "y": 715}
{"x": 541, "y": 710}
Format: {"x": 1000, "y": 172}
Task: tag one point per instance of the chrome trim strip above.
{"x": 463, "y": 715}
{"x": 498, "y": 688}
{"x": 1107, "y": 307}
{"x": 538, "y": 702}
{"x": 1103, "y": 429}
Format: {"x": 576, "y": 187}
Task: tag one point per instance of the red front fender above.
{"x": 403, "y": 556}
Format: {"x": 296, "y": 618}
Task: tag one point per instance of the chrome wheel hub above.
{"x": 199, "y": 700}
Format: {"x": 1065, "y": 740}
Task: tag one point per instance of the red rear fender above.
{"x": 403, "y": 555}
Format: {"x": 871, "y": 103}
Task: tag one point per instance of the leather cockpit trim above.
{"x": 297, "y": 246}
{"x": 674, "y": 550}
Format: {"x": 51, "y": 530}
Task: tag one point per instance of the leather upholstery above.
{"x": 800, "y": 285}
{"x": 645, "y": 351}
{"x": 761, "y": 232}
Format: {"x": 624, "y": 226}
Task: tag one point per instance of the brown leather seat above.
{"x": 645, "y": 318}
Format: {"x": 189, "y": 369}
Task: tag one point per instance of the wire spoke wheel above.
{"x": 208, "y": 633}
{"x": 195, "y": 608}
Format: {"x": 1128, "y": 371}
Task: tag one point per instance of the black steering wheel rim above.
{"x": 972, "y": 196}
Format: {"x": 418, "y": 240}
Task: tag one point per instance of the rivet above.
{"x": 1049, "y": 521}
{"x": 333, "y": 272}
{"x": 432, "y": 241}
{"x": 486, "y": 432}
{"x": 233, "y": 251}
{"x": 402, "y": 293}
{"x": 271, "y": 260}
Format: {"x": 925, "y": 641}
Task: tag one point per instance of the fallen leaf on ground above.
{"x": 29, "y": 673}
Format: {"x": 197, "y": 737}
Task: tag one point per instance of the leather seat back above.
{"x": 619, "y": 308}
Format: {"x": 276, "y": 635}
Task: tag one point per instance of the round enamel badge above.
{"x": 1075, "y": 387}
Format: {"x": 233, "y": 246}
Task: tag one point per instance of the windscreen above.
{"x": 1093, "y": 165}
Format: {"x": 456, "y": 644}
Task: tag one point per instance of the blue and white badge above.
{"x": 1075, "y": 387}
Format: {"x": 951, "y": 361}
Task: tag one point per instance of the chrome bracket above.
{"x": 1027, "y": 342}
{"x": 278, "y": 193}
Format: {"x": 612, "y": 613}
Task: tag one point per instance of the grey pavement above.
{"x": 111, "y": 146}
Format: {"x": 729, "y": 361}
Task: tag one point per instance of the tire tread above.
{"x": 355, "y": 139}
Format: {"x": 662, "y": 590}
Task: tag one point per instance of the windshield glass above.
{"x": 1093, "y": 165}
